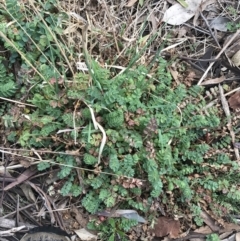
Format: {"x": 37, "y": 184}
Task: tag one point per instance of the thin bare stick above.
{"x": 37, "y": 161}
{"x": 14, "y": 101}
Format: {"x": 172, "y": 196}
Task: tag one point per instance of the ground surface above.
{"x": 174, "y": 166}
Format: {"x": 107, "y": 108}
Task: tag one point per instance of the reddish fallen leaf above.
{"x": 22, "y": 177}
{"x": 214, "y": 81}
{"x": 166, "y": 226}
{"x": 203, "y": 230}
{"x": 81, "y": 219}
{"x": 25, "y": 163}
{"x": 211, "y": 222}
{"x": 234, "y": 100}
{"x": 228, "y": 227}
{"x": 131, "y": 3}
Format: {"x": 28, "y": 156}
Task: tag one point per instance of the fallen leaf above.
{"x": 214, "y": 81}
{"x": 202, "y": 8}
{"x": 174, "y": 74}
{"x": 206, "y": 3}
{"x": 131, "y": 3}
{"x": 153, "y": 20}
{"x": 237, "y": 236}
{"x": 228, "y": 227}
{"x": 166, "y": 226}
{"x": 28, "y": 192}
{"x": 177, "y": 14}
{"x": 234, "y": 47}
{"x": 203, "y": 230}
{"x": 83, "y": 234}
{"x": 236, "y": 58}
{"x": 25, "y": 163}
{"x": 22, "y": 177}
{"x": 220, "y": 23}
{"x": 79, "y": 217}
{"x": 209, "y": 221}
{"x": 228, "y": 236}
{"x": 234, "y": 101}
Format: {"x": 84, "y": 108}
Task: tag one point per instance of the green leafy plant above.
{"x": 212, "y": 237}
{"x": 232, "y": 26}
{"x": 8, "y": 86}
{"x": 156, "y": 130}
{"x": 113, "y": 228}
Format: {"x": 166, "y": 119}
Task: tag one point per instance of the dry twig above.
{"x": 228, "y": 115}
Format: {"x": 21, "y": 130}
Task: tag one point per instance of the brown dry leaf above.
{"x": 28, "y": 192}
{"x": 236, "y": 58}
{"x": 214, "y": 81}
{"x": 203, "y": 230}
{"x": 210, "y": 221}
{"x": 25, "y": 163}
{"x": 234, "y": 100}
{"x": 182, "y": 32}
{"x": 83, "y": 234}
{"x": 174, "y": 74}
{"x": 206, "y": 3}
{"x": 166, "y": 226}
{"x": 234, "y": 47}
{"x": 79, "y": 217}
{"x": 131, "y": 3}
{"x": 22, "y": 177}
{"x": 237, "y": 236}
{"x": 230, "y": 227}
{"x": 153, "y": 20}
{"x": 227, "y": 236}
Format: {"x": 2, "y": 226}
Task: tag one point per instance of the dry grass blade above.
{"x": 53, "y": 36}
{"x": 21, "y": 54}
{"x": 17, "y": 102}
{"x": 35, "y": 44}
{"x": 98, "y": 126}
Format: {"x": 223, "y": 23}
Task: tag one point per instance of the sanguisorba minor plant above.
{"x": 155, "y": 149}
